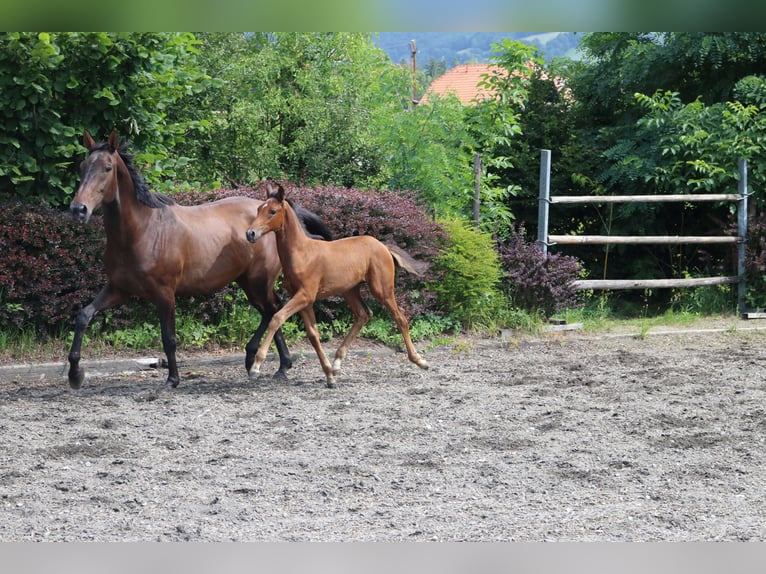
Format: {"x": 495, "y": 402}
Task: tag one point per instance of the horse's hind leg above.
{"x": 167, "y": 313}
{"x": 404, "y": 329}
{"x": 106, "y": 298}
{"x": 362, "y": 315}
{"x": 388, "y": 299}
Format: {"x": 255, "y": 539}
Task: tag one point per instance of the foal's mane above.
{"x": 312, "y": 224}
{"x": 143, "y": 190}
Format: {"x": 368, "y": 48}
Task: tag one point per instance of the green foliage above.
{"x": 52, "y": 85}
{"x": 495, "y": 123}
{"x": 142, "y": 336}
{"x": 469, "y": 288}
{"x": 288, "y": 104}
{"x": 426, "y": 326}
{"x": 700, "y": 145}
{"x": 663, "y": 113}
{"x": 704, "y": 301}
{"x": 430, "y": 151}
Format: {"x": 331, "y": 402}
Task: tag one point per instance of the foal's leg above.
{"x": 385, "y": 294}
{"x": 310, "y": 322}
{"x": 107, "y": 297}
{"x": 267, "y": 311}
{"x": 285, "y": 360}
{"x": 362, "y": 314}
{"x": 293, "y": 306}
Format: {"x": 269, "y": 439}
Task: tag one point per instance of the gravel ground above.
{"x": 568, "y": 436}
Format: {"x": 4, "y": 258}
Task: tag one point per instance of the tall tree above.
{"x": 666, "y": 113}
{"x": 295, "y": 105}
{"x": 53, "y": 85}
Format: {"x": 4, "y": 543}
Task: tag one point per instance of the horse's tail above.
{"x": 407, "y": 262}
{"x": 313, "y": 224}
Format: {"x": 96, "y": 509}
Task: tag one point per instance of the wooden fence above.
{"x": 740, "y": 239}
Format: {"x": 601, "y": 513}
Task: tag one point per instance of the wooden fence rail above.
{"x": 544, "y": 240}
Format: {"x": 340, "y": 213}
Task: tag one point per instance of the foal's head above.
{"x": 98, "y": 177}
{"x": 271, "y": 215}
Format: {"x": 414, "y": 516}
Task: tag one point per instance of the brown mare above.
{"x": 319, "y": 269}
{"x": 156, "y": 249}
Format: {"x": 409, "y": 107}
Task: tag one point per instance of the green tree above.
{"x": 700, "y": 145}
{"x": 53, "y": 85}
{"x": 429, "y": 151}
{"x": 294, "y": 105}
{"x": 683, "y": 134}
{"x": 495, "y": 123}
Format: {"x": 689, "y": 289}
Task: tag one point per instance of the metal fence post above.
{"x": 742, "y": 234}
{"x": 544, "y": 200}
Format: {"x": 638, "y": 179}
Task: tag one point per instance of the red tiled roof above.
{"x": 462, "y": 81}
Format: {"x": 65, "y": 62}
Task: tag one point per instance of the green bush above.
{"x": 469, "y": 288}
{"x": 52, "y": 85}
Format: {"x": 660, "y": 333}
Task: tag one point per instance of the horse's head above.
{"x": 271, "y": 215}
{"x": 98, "y": 177}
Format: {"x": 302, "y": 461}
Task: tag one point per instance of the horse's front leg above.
{"x": 107, "y": 297}
{"x": 293, "y": 306}
{"x": 167, "y": 312}
{"x": 285, "y": 360}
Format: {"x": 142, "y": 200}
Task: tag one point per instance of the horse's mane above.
{"x": 143, "y": 190}
{"x": 312, "y": 224}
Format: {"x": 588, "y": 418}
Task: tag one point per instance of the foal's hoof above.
{"x": 75, "y": 381}
{"x": 423, "y": 364}
{"x": 331, "y": 383}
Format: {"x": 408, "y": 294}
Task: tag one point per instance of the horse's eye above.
{"x": 273, "y": 212}
{"x": 108, "y": 168}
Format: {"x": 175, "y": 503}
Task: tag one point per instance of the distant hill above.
{"x": 471, "y": 47}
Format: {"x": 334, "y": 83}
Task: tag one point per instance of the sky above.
{"x": 382, "y": 15}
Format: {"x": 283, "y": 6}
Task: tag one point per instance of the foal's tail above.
{"x": 407, "y": 262}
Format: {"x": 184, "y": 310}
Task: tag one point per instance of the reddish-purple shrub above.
{"x": 52, "y": 266}
{"x": 536, "y": 282}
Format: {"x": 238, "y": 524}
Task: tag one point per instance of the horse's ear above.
{"x": 87, "y": 140}
{"x": 269, "y": 190}
{"x": 280, "y": 195}
{"x": 114, "y": 141}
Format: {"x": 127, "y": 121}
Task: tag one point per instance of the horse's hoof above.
{"x": 280, "y": 376}
{"x": 331, "y": 383}
{"x": 75, "y": 381}
{"x": 254, "y": 375}
{"x": 336, "y": 367}
{"x": 423, "y": 364}
{"x": 171, "y": 384}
